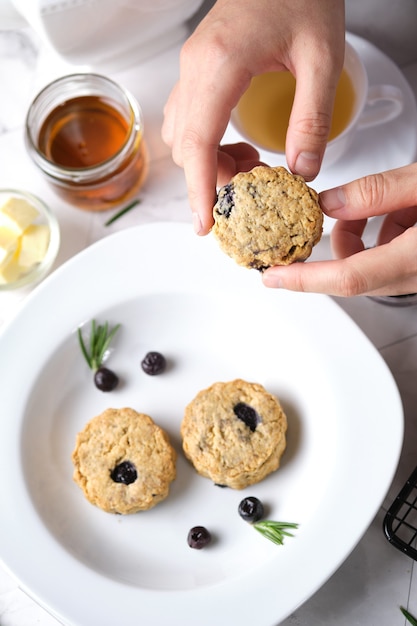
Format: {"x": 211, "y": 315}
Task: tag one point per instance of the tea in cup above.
{"x": 262, "y": 114}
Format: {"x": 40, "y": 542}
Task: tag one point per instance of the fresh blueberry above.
{"x": 124, "y": 472}
{"x": 251, "y": 509}
{"x": 105, "y": 379}
{"x": 247, "y": 414}
{"x": 198, "y": 537}
{"x": 153, "y": 363}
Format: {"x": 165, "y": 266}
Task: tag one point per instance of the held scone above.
{"x": 267, "y": 216}
{"x": 123, "y": 461}
{"x": 234, "y": 433}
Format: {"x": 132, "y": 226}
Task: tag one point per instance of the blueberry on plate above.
{"x": 153, "y": 363}
{"x": 105, "y": 379}
{"x": 251, "y": 509}
{"x": 198, "y": 537}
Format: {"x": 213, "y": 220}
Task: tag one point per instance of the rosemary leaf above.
{"x": 92, "y": 337}
{"x": 408, "y": 616}
{"x": 83, "y": 348}
{"x": 100, "y": 339}
{"x": 122, "y": 212}
{"x": 275, "y": 531}
{"x": 106, "y": 340}
{"x": 96, "y": 338}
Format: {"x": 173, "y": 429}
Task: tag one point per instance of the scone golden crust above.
{"x": 267, "y": 216}
{"x": 234, "y": 433}
{"x": 123, "y": 461}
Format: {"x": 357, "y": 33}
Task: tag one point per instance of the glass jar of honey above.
{"x": 85, "y": 133}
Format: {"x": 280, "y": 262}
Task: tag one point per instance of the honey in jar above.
{"x": 86, "y": 134}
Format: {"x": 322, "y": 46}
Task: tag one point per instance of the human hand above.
{"x": 388, "y": 269}
{"x": 235, "y": 41}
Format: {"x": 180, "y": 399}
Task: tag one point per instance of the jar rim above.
{"x": 83, "y": 174}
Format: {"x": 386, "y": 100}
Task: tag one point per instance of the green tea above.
{"x": 264, "y": 109}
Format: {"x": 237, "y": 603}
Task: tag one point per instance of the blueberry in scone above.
{"x": 234, "y": 433}
{"x": 267, "y": 216}
{"x": 123, "y": 461}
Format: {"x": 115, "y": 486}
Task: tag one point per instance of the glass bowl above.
{"x": 15, "y": 275}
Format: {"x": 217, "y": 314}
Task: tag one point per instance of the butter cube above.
{"x": 17, "y": 214}
{"x": 8, "y": 244}
{"x": 34, "y": 244}
{"x": 10, "y": 270}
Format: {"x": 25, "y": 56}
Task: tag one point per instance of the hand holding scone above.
{"x": 389, "y": 268}
{"x": 239, "y": 39}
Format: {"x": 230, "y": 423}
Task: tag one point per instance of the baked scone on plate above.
{"x": 267, "y": 216}
{"x": 123, "y": 461}
{"x": 234, "y": 433}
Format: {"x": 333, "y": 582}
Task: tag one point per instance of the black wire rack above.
{"x": 400, "y": 521}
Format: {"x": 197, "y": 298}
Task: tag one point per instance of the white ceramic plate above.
{"x": 179, "y": 294}
{"x": 374, "y": 149}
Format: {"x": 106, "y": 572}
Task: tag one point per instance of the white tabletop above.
{"x": 376, "y": 578}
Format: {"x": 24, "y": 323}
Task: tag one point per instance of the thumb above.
{"x": 376, "y": 194}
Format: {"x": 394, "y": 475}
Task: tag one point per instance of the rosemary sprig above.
{"x": 275, "y": 531}
{"x": 126, "y": 209}
{"x": 408, "y": 616}
{"x": 100, "y": 338}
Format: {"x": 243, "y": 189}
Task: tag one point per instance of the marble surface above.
{"x": 376, "y": 579}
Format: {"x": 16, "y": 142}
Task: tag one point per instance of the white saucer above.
{"x": 374, "y": 149}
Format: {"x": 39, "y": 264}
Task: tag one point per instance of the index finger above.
{"x": 203, "y": 111}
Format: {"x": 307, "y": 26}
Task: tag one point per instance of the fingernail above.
{"x": 307, "y": 164}
{"x": 333, "y": 199}
{"x": 270, "y": 279}
{"x": 197, "y": 224}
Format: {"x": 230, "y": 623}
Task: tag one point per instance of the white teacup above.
{"x": 261, "y": 116}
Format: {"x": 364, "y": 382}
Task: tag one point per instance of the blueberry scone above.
{"x": 123, "y": 461}
{"x": 234, "y": 433}
{"x": 267, "y": 216}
